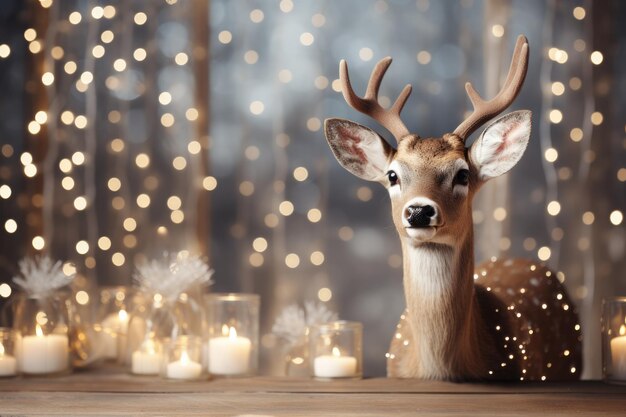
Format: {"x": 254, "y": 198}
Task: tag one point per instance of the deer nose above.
{"x": 419, "y": 216}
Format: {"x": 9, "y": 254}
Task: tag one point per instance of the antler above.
{"x": 485, "y": 110}
{"x": 389, "y": 119}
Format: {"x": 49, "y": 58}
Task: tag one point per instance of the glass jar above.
{"x": 297, "y": 358}
{"x": 232, "y": 345}
{"x": 183, "y": 359}
{"x": 9, "y": 341}
{"x": 151, "y": 326}
{"x": 43, "y": 323}
{"x": 114, "y": 309}
{"x": 336, "y": 350}
{"x": 613, "y": 329}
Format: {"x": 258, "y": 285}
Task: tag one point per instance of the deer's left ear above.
{"x": 501, "y": 145}
{"x": 358, "y": 149}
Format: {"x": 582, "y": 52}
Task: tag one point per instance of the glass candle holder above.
{"x": 232, "y": 347}
{"x": 147, "y": 359}
{"x": 614, "y": 340}
{"x": 183, "y": 359}
{"x": 9, "y": 340}
{"x": 44, "y": 327}
{"x": 336, "y": 350}
{"x": 113, "y": 315}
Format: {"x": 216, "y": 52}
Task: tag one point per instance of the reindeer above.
{"x": 506, "y": 320}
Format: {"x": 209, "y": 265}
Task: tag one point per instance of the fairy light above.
{"x": 140, "y": 18}
{"x": 225, "y": 37}
{"x": 10, "y": 226}
{"x": 256, "y": 16}
{"x": 257, "y": 107}
{"x": 307, "y": 39}
{"x": 5, "y": 290}
{"x": 616, "y": 217}
{"x": 251, "y": 152}
{"x": 5, "y": 50}
{"x": 75, "y": 18}
{"x": 209, "y": 183}
{"x": 555, "y": 116}
{"x": 38, "y": 243}
{"x": 579, "y": 13}
{"x": 300, "y": 174}
{"x": 57, "y": 53}
{"x": 324, "y": 294}
{"x": 260, "y": 244}
{"x": 286, "y": 208}
{"x": 251, "y": 57}
{"x": 318, "y": 20}
{"x": 246, "y": 188}
{"x": 314, "y": 215}
{"x": 576, "y": 134}
{"x": 317, "y": 258}
{"x": 596, "y": 57}
{"x": 553, "y": 208}
{"x": 497, "y": 31}
{"x": 292, "y": 260}
{"x": 139, "y": 54}
{"x": 286, "y": 6}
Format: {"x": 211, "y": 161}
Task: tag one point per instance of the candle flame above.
{"x": 1, "y": 349}
{"x": 184, "y": 358}
{"x": 224, "y": 330}
{"x": 122, "y": 315}
{"x": 622, "y": 330}
{"x": 232, "y": 333}
{"x": 336, "y": 351}
{"x": 38, "y": 331}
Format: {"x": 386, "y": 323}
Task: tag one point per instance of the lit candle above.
{"x": 335, "y": 365}
{"x": 44, "y": 354}
{"x": 8, "y": 364}
{"x": 112, "y": 326}
{"x": 146, "y": 360}
{"x": 184, "y": 368}
{"x": 229, "y": 355}
{"x": 618, "y": 354}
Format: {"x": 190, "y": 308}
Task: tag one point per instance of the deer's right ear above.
{"x": 358, "y": 149}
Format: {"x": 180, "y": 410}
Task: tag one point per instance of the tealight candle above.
{"x": 618, "y": 354}
{"x": 147, "y": 360}
{"x": 8, "y": 363}
{"x": 229, "y": 355}
{"x": 184, "y": 368}
{"x": 335, "y": 350}
{"x": 112, "y": 326}
{"x": 335, "y": 365}
{"x": 44, "y": 354}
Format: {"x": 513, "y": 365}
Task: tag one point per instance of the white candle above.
{"x": 8, "y": 364}
{"x": 229, "y": 355}
{"x": 618, "y": 354}
{"x": 146, "y": 361}
{"x": 44, "y": 354}
{"x": 184, "y": 368}
{"x": 335, "y": 365}
{"x": 112, "y": 326}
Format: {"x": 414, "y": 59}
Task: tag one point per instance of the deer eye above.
{"x": 393, "y": 178}
{"x": 462, "y": 177}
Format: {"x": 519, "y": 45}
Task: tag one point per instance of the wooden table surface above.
{"x": 112, "y": 392}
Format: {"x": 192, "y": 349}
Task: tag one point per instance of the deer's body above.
{"x": 507, "y": 319}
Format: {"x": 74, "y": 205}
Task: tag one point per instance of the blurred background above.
{"x": 130, "y": 128}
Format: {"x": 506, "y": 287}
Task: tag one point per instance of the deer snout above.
{"x": 420, "y": 212}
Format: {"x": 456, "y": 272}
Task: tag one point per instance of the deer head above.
{"x": 431, "y": 181}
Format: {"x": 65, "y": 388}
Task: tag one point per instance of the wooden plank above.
{"x": 308, "y": 404}
{"x": 107, "y": 380}
{"x": 110, "y": 391}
